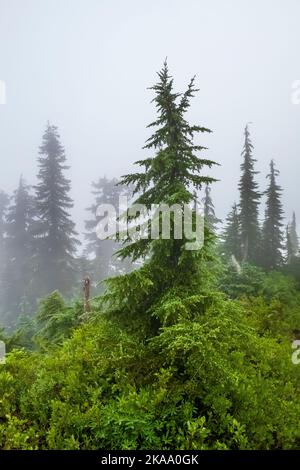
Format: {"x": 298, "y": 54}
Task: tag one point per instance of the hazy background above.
{"x": 85, "y": 65}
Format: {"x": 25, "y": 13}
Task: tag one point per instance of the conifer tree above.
{"x": 170, "y": 272}
{"x": 55, "y": 231}
{"x": 294, "y": 235}
{"x": 292, "y": 240}
{"x": 272, "y": 236}
{"x": 209, "y": 210}
{"x": 289, "y": 249}
{"x": 103, "y": 262}
{"x": 171, "y": 175}
{"x": 4, "y": 201}
{"x": 19, "y": 251}
{"x": 231, "y": 245}
{"x": 249, "y": 202}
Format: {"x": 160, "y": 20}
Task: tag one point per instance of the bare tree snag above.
{"x": 87, "y": 294}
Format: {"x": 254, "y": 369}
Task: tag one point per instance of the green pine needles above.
{"x": 172, "y": 174}
{"x": 169, "y": 177}
{"x": 249, "y": 204}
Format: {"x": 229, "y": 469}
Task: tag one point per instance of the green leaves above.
{"x": 165, "y": 361}
{"x": 212, "y": 379}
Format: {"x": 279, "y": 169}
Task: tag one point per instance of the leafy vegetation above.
{"x": 188, "y": 351}
{"x": 219, "y": 376}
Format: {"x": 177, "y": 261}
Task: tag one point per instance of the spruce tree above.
{"x": 209, "y": 210}
{"x": 292, "y": 240}
{"x": 171, "y": 175}
{"x": 19, "y": 252}
{"x": 289, "y": 248}
{"x": 104, "y": 263}
{"x": 170, "y": 272}
{"x": 272, "y": 236}
{"x": 231, "y": 245}
{"x": 249, "y": 202}
{"x": 4, "y": 201}
{"x": 55, "y": 231}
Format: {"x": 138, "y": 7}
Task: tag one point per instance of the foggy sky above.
{"x": 85, "y": 66}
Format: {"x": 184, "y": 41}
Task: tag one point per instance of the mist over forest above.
{"x": 180, "y": 331}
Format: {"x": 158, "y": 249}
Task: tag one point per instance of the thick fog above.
{"x": 85, "y": 66}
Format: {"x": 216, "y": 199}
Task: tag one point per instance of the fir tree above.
{"x": 292, "y": 240}
{"x": 289, "y": 248}
{"x": 55, "y": 231}
{"x": 19, "y": 251}
{"x": 209, "y": 210}
{"x": 231, "y": 245}
{"x": 169, "y": 177}
{"x": 103, "y": 263}
{"x": 272, "y": 237}
{"x": 4, "y": 201}
{"x": 249, "y": 202}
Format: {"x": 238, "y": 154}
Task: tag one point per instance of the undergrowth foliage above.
{"x": 181, "y": 353}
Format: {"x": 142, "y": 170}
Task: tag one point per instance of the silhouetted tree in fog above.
{"x": 4, "y": 200}
{"x": 102, "y": 252}
{"x": 19, "y": 253}
{"x": 272, "y": 236}
{"x": 292, "y": 240}
{"x": 209, "y": 210}
{"x": 249, "y": 202}
{"x": 55, "y": 231}
{"x": 231, "y": 245}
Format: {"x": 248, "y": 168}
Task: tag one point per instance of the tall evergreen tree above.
{"x": 272, "y": 236}
{"x": 104, "y": 263}
{"x": 169, "y": 177}
{"x": 289, "y": 248}
{"x": 249, "y": 202}
{"x": 231, "y": 245}
{"x": 292, "y": 240}
{"x": 209, "y": 210}
{"x": 4, "y": 201}
{"x": 55, "y": 231}
{"x": 19, "y": 252}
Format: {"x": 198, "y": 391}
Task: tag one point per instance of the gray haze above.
{"x": 85, "y": 65}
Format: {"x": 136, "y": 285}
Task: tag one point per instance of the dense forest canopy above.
{"x": 179, "y": 349}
